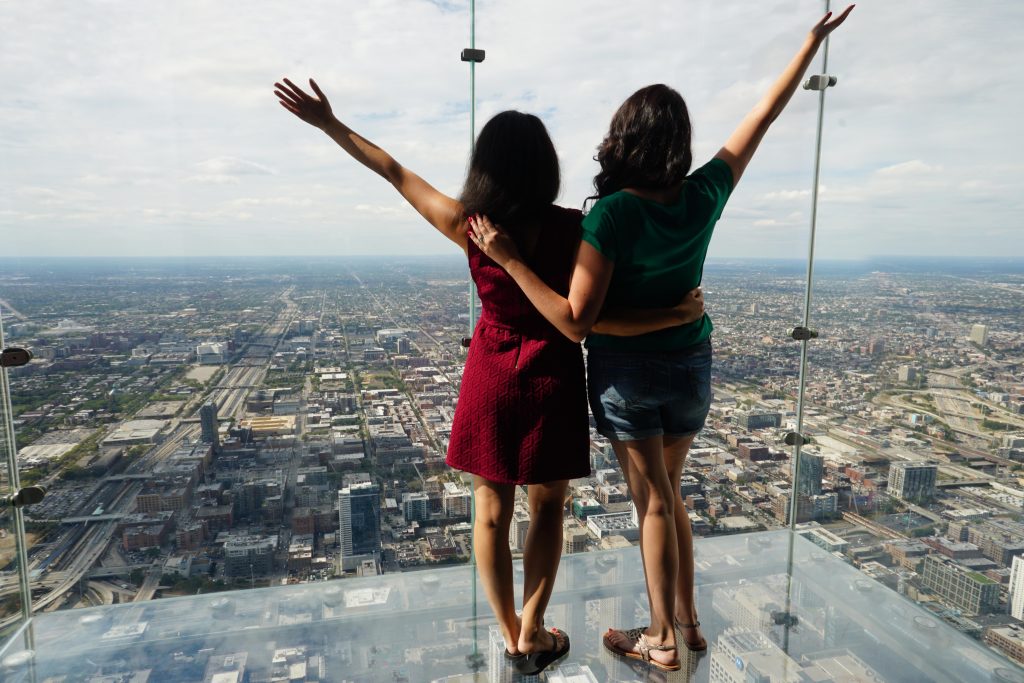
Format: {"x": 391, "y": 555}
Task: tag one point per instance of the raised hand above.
{"x": 316, "y": 111}
{"x": 825, "y": 27}
{"x": 691, "y": 307}
{"x": 492, "y": 240}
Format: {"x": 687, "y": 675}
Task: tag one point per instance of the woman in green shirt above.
{"x": 643, "y": 242}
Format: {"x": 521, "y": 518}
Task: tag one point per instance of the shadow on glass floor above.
{"x": 823, "y": 621}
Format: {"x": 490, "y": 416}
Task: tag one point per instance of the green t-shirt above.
{"x": 658, "y": 251}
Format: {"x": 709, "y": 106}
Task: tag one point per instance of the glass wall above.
{"x": 913, "y": 391}
{"x": 248, "y": 347}
{"x": 12, "y": 586}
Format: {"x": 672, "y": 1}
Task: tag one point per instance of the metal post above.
{"x": 475, "y": 657}
{"x": 798, "y": 442}
{"x": 472, "y": 143}
{"x": 14, "y": 484}
{"x": 809, "y": 284}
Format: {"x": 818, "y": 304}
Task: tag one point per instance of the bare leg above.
{"x": 493, "y": 515}
{"x": 644, "y": 464}
{"x": 542, "y": 552}
{"x": 685, "y": 609}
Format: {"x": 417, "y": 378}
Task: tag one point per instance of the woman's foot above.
{"x": 512, "y": 645}
{"x": 635, "y": 644}
{"x": 691, "y": 635}
{"x": 545, "y": 649}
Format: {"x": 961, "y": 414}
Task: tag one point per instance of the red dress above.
{"x": 521, "y": 416}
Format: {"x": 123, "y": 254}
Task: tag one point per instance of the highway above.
{"x": 79, "y": 546}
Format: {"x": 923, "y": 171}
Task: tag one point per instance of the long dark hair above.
{"x": 513, "y": 174}
{"x": 648, "y": 143}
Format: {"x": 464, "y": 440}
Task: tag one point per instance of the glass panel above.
{"x": 11, "y": 551}
{"x": 285, "y": 396}
{"x": 420, "y": 627}
{"x": 913, "y": 390}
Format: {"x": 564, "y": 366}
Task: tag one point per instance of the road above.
{"x": 85, "y": 543}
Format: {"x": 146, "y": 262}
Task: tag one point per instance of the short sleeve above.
{"x": 599, "y": 230}
{"x": 714, "y": 182}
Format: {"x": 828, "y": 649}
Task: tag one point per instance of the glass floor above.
{"x": 826, "y": 621}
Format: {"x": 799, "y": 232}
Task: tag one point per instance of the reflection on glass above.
{"x": 420, "y": 626}
{"x": 11, "y": 551}
{"x": 196, "y": 415}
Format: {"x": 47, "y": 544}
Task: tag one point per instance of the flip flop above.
{"x": 646, "y": 648}
{"x": 533, "y": 663}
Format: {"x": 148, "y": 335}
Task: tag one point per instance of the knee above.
{"x": 660, "y": 506}
{"x": 546, "y": 509}
{"x": 491, "y": 518}
{"x": 652, "y": 501}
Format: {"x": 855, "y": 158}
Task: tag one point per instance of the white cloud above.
{"x": 912, "y": 168}
{"x": 786, "y": 195}
{"x": 213, "y": 178}
{"x": 169, "y": 107}
{"x": 232, "y": 166}
{"x": 385, "y": 211}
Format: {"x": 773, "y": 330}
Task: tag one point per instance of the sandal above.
{"x": 533, "y": 663}
{"x": 638, "y": 635}
{"x": 701, "y": 646}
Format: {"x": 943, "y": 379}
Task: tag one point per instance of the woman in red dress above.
{"x": 521, "y": 417}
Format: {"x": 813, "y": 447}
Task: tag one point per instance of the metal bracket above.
{"x": 30, "y": 495}
{"x": 820, "y": 82}
{"x": 803, "y": 334}
{"x": 13, "y": 358}
{"x": 784, "y": 618}
{"x": 793, "y": 439}
{"x": 473, "y": 55}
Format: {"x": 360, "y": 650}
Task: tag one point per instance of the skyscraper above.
{"x": 1017, "y": 588}
{"x": 812, "y": 469}
{"x": 208, "y": 420}
{"x": 753, "y": 420}
{"x": 912, "y": 481}
{"x": 358, "y": 522}
{"x": 979, "y": 334}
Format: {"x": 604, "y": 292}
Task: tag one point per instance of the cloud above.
{"x": 213, "y": 179}
{"x": 913, "y": 168}
{"x": 917, "y": 140}
{"x": 384, "y": 211}
{"x": 787, "y": 195}
{"x": 272, "y": 201}
{"x": 233, "y": 166}
{"x": 97, "y": 180}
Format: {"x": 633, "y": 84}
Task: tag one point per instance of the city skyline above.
{"x": 206, "y": 425}
{"x": 167, "y": 133}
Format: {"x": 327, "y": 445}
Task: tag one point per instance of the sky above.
{"x": 140, "y": 128}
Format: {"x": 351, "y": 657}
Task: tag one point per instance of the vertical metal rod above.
{"x": 14, "y": 484}
{"x": 472, "y": 143}
{"x": 472, "y": 314}
{"x": 802, "y": 382}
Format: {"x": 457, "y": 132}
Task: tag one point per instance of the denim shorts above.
{"x": 639, "y": 395}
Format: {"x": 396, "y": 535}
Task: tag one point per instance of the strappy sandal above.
{"x": 533, "y": 663}
{"x": 701, "y": 647}
{"x": 638, "y": 635}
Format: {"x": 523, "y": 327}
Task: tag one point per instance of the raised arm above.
{"x": 741, "y": 145}
{"x": 440, "y": 210}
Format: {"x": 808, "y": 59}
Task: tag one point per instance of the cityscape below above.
{"x": 210, "y": 425}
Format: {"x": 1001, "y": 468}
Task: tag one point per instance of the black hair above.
{"x": 648, "y": 143}
{"x": 513, "y": 173}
